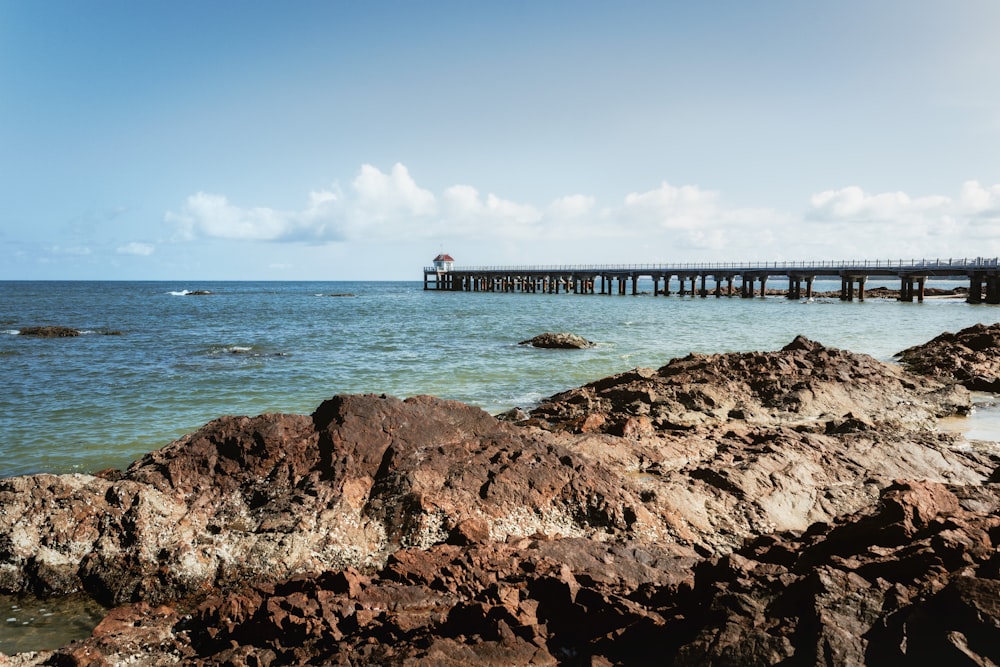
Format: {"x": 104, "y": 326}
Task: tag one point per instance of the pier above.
{"x": 744, "y": 280}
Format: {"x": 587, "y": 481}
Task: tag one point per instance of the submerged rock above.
{"x": 49, "y": 332}
{"x": 565, "y": 341}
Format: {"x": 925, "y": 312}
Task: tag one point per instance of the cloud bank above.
{"x": 391, "y": 206}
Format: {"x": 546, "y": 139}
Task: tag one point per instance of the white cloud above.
{"x": 979, "y": 200}
{"x": 136, "y": 248}
{"x": 504, "y": 218}
{"x": 672, "y": 207}
{"x": 852, "y": 203}
{"x": 213, "y": 216}
{"x": 679, "y": 221}
{"x": 378, "y": 206}
{"x": 571, "y": 206}
{"x": 894, "y": 224}
{"x": 382, "y": 196}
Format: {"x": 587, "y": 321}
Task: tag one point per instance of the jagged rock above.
{"x": 381, "y": 531}
{"x": 803, "y": 385}
{"x": 970, "y": 357}
{"x": 802, "y": 343}
{"x": 913, "y": 580}
{"x": 566, "y": 341}
{"x": 268, "y": 497}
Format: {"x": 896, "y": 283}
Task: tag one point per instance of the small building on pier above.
{"x": 444, "y": 262}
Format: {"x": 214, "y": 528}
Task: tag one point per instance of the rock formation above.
{"x": 968, "y": 357}
{"x": 564, "y": 341}
{"x": 737, "y": 508}
{"x": 913, "y": 580}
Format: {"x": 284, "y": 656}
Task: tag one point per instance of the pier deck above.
{"x": 983, "y": 275}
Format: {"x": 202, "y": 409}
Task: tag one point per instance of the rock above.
{"x": 49, "y": 332}
{"x": 268, "y": 497}
{"x": 740, "y": 508}
{"x": 971, "y": 357}
{"x": 802, "y": 343}
{"x": 559, "y": 341}
{"x": 513, "y": 415}
{"x": 802, "y": 386}
{"x": 526, "y": 602}
{"x": 647, "y": 455}
{"x": 911, "y": 581}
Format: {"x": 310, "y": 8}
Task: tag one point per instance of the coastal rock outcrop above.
{"x": 912, "y": 580}
{"x": 970, "y": 357}
{"x": 267, "y": 497}
{"x": 379, "y": 530}
{"x": 562, "y": 341}
{"x": 805, "y": 386}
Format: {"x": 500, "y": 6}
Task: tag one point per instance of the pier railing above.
{"x": 961, "y": 266}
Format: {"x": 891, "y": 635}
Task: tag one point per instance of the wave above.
{"x": 526, "y": 401}
{"x": 187, "y": 292}
{"x": 243, "y": 351}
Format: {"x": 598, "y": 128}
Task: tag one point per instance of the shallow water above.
{"x": 96, "y": 401}
{"x": 983, "y": 424}
{"x": 30, "y": 624}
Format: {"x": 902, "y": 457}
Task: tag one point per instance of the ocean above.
{"x": 155, "y": 361}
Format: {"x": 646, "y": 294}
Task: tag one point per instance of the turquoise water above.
{"x": 95, "y": 401}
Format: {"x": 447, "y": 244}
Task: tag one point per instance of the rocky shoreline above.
{"x": 743, "y": 508}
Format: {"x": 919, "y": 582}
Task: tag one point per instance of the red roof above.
{"x": 444, "y": 258}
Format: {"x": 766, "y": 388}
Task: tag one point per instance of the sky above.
{"x": 253, "y": 140}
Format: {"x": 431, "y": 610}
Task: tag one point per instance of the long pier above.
{"x": 983, "y": 275}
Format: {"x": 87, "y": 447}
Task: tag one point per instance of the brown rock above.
{"x": 559, "y": 341}
{"x": 801, "y": 385}
{"x": 922, "y": 590}
{"x": 268, "y": 497}
{"x": 874, "y": 588}
{"x": 970, "y": 357}
{"x": 381, "y": 531}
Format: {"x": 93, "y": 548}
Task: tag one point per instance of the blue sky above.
{"x": 334, "y": 140}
